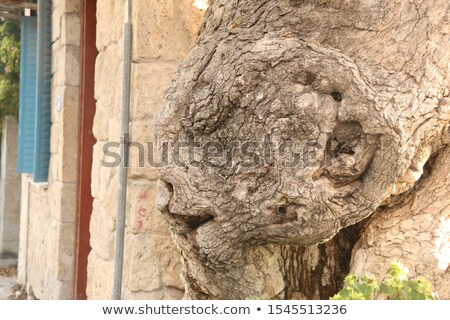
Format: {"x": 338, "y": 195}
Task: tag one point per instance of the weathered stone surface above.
{"x": 102, "y": 232}
{"x": 70, "y": 6}
{"x": 143, "y": 153}
{"x": 56, "y": 22}
{"x": 144, "y": 273}
{"x": 23, "y": 232}
{"x": 108, "y": 80}
{"x": 10, "y": 187}
{"x": 153, "y": 263}
{"x": 70, "y": 26}
{"x": 42, "y": 243}
{"x": 68, "y": 145}
{"x": 109, "y": 24}
{"x": 150, "y": 81}
{"x": 54, "y": 138}
{"x": 100, "y": 278}
{"x": 101, "y": 121}
{"x": 48, "y": 210}
{"x": 69, "y": 57}
{"x": 143, "y": 295}
{"x": 142, "y": 212}
{"x": 64, "y": 252}
{"x": 7, "y": 285}
{"x": 62, "y": 201}
{"x": 164, "y": 29}
{"x": 167, "y": 294}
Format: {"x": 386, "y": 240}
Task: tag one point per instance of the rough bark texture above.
{"x": 317, "y": 271}
{"x": 361, "y": 85}
{"x": 416, "y": 231}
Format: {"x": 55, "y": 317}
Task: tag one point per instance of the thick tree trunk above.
{"x": 414, "y": 230}
{"x": 318, "y": 271}
{"x": 289, "y": 122}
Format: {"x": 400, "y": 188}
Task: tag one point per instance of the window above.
{"x": 35, "y": 93}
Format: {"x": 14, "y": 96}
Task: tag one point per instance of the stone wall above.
{"x": 9, "y": 190}
{"x": 48, "y": 210}
{"x": 163, "y": 32}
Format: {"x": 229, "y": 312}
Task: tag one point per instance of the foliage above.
{"x": 395, "y": 286}
{"x": 357, "y": 289}
{"x": 9, "y": 67}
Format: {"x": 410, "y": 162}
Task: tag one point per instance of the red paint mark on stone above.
{"x": 142, "y": 195}
{"x": 142, "y": 212}
{"x": 140, "y": 225}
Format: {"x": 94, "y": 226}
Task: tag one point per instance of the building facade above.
{"x": 68, "y": 218}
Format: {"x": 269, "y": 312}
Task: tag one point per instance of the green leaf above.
{"x": 9, "y": 67}
{"x": 395, "y": 286}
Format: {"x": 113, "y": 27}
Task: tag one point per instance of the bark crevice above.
{"x": 373, "y": 75}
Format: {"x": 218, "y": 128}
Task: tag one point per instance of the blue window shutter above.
{"x": 27, "y": 97}
{"x": 43, "y": 92}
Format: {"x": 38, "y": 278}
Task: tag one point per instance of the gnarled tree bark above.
{"x": 292, "y": 122}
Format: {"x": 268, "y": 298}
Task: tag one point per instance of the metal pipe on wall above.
{"x": 124, "y": 148}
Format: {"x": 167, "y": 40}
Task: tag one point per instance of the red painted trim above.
{"x": 86, "y": 141}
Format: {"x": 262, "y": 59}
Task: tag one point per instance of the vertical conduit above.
{"x": 124, "y": 145}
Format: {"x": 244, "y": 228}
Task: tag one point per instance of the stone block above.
{"x": 100, "y": 127}
{"x": 97, "y": 158}
{"x": 57, "y": 63}
{"x": 143, "y": 295}
{"x": 104, "y": 182}
{"x": 56, "y": 4}
{"x": 109, "y": 22}
{"x": 100, "y": 278}
{"x": 66, "y": 66}
{"x": 42, "y": 252}
{"x": 102, "y": 230}
{"x": 68, "y": 203}
{"x": 71, "y": 65}
{"x": 10, "y": 230}
{"x": 164, "y": 29}
{"x": 71, "y": 6}
{"x": 62, "y": 198}
{"x": 69, "y": 138}
{"x": 56, "y": 22}
{"x": 57, "y": 94}
{"x": 9, "y": 147}
{"x": 150, "y": 81}
{"x": 54, "y": 138}
{"x": 109, "y": 195}
{"x": 108, "y": 80}
{"x": 69, "y": 164}
{"x": 114, "y": 130}
{"x": 173, "y": 294}
{"x": 65, "y": 249}
{"x": 154, "y": 262}
{"x": 71, "y": 27}
{"x": 10, "y": 188}
{"x": 143, "y": 216}
{"x": 163, "y": 294}
{"x": 53, "y": 169}
{"x": 23, "y": 231}
{"x": 143, "y": 157}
